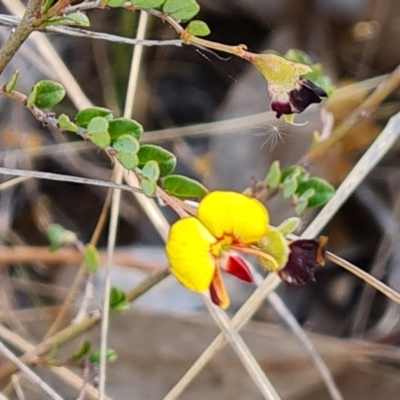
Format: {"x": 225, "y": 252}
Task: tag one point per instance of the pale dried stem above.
{"x": 366, "y": 277}
{"x": 239, "y": 346}
{"x": 25, "y": 254}
{"x": 29, "y": 373}
{"x": 116, "y": 201}
{"x": 284, "y": 313}
{"x": 61, "y": 372}
{"x": 81, "y": 271}
{"x": 12, "y": 182}
{"x": 17, "y": 387}
{"x": 66, "y": 178}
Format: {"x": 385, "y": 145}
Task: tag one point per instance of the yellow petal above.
{"x": 230, "y": 215}
{"x": 189, "y": 254}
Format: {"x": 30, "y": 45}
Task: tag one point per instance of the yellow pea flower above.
{"x": 198, "y": 248}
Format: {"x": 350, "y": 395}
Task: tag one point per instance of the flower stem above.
{"x": 257, "y": 253}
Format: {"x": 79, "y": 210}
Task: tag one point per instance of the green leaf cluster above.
{"x": 74, "y": 19}
{"x": 91, "y": 258}
{"x": 179, "y": 10}
{"x": 10, "y": 85}
{"x": 45, "y": 94}
{"x": 198, "y": 28}
{"x": 121, "y": 137}
{"x": 317, "y": 75}
{"x": 118, "y": 301}
{"x": 58, "y": 236}
{"x": 85, "y": 351}
{"x": 296, "y": 184}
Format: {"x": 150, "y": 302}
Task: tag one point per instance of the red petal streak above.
{"x": 218, "y": 293}
{"x": 236, "y": 266}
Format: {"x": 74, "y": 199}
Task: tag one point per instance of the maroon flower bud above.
{"x": 304, "y": 257}
{"x": 298, "y": 99}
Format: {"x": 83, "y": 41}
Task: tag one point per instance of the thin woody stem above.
{"x": 366, "y": 277}
{"x": 73, "y": 331}
{"x": 23, "y": 30}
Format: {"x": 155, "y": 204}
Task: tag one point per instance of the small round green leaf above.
{"x": 198, "y": 28}
{"x": 300, "y": 173}
{"x": 85, "y": 116}
{"x": 151, "y": 170}
{"x": 91, "y": 258}
{"x": 111, "y": 355}
{"x": 129, "y": 161}
{"x": 118, "y": 300}
{"x": 147, "y": 3}
{"x": 98, "y": 132}
{"x": 58, "y": 236}
{"x": 100, "y": 139}
{"x": 183, "y": 187}
{"x": 97, "y": 124}
{"x": 125, "y": 126}
{"x": 273, "y": 178}
{"x": 290, "y": 185}
{"x": 83, "y": 351}
{"x": 126, "y": 144}
{"x": 115, "y": 3}
{"x": 181, "y": 10}
{"x": 66, "y": 124}
{"x": 306, "y": 195}
{"x": 10, "y": 86}
{"x": 288, "y": 226}
{"x": 301, "y": 206}
{"x": 298, "y": 56}
{"x": 46, "y": 94}
{"x": 148, "y": 186}
{"x": 165, "y": 159}
{"x": 75, "y": 19}
{"x": 323, "y": 191}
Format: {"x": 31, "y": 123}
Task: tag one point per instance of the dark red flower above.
{"x": 298, "y": 99}
{"x": 304, "y": 257}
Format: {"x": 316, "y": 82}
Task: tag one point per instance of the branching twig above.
{"x": 17, "y": 38}
{"x": 67, "y": 178}
{"x": 11, "y": 21}
{"x": 25, "y": 254}
{"x": 61, "y": 372}
{"x": 73, "y": 331}
{"x": 29, "y": 373}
